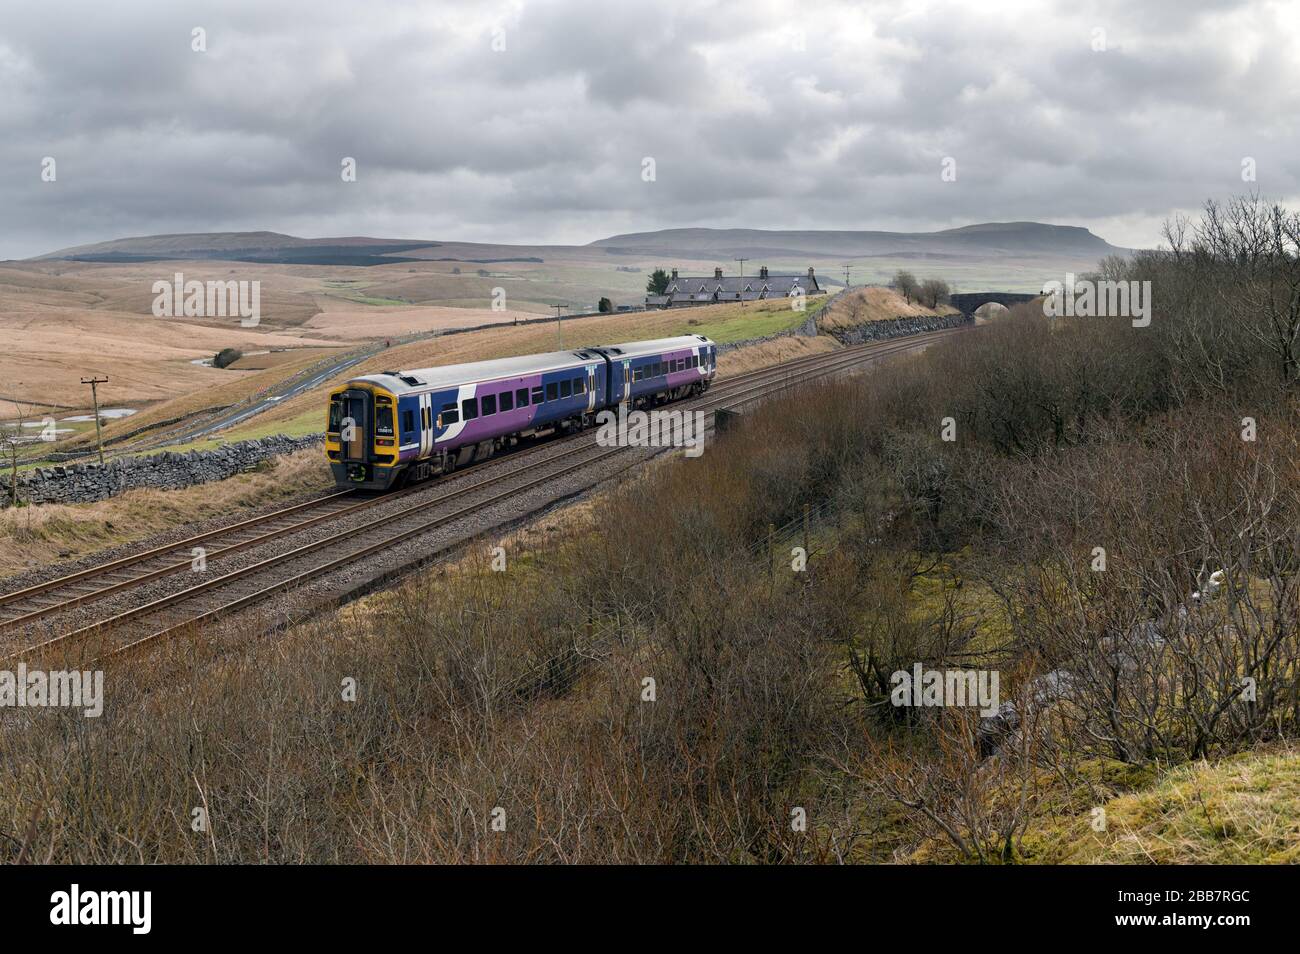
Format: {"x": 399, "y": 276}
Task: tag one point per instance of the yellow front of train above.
{"x": 361, "y": 441}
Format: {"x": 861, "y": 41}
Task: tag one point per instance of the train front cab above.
{"x": 361, "y": 437}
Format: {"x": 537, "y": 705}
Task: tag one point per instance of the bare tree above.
{"x": 906, "y": 284}
{"x": 933, "y": 292}
{"x": 11, "y": 438}
{"x": 982, "y": 805}
{"x": 1256, "y": 248}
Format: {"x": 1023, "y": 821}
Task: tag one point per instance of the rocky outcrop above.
{"x": 84, "y": 483}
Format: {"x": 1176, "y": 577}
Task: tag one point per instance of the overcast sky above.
{"x": 529, "y": 121}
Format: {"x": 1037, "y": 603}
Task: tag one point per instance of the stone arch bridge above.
{"x": 970, "y": 302}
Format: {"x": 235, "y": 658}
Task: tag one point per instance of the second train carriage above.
{"x": 395, "y": 426}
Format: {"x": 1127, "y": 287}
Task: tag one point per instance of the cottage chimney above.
{"x": 674, "y": 274}
{"x": 810, "y": 271}
{"x": 762, "y": 273}
{"x": 717, "y": 273}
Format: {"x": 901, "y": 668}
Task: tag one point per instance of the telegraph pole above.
{"x": 559, "y": 336}
{"x": 742, "y": 266}
{"x": 846, "y": 276}
{"x": 94, "y": 396}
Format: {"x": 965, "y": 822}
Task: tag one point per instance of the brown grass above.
{"x": 294, "y": 358}
{"x": 754, "y": 357}
{"x": 363, "y": 322}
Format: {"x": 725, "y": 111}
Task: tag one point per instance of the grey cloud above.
{"x": 543, "y": 142}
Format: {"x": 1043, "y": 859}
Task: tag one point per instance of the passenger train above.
{"x": 395, "y": 427}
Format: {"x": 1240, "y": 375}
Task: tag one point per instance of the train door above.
{"x": 591, "y": 388}
{"x": 627, "y": 381}
{"x": 354, "y": 437}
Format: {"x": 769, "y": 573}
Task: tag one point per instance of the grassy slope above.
{"x": 1244, "y": 809}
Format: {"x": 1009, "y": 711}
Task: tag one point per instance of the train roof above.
{"x": 451, "y": 375}
{"x": 636, "y": 349}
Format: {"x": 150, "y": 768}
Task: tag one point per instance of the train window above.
{"x": 537, "y": 395}
{"x": 551, "y": 391}
{"x": 521, "y": 397}
{"x": 565, "y": 389}
{"x": 638, "y": 374}
{"x": 507, "y": 400}
{"x": 336, "y": 416}
{"x": 578, "y": 386}
{"x": 469, "y": 408}
{"x": 408, "y": 422}
{"x": 384, "y": 421}
{"x": 449, "y": 414}
{"x": 489, "y": 405}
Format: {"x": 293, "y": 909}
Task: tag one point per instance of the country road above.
{"x": 289, "y": 388}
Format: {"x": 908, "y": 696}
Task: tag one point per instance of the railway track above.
{"x": 423, "y": 509}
